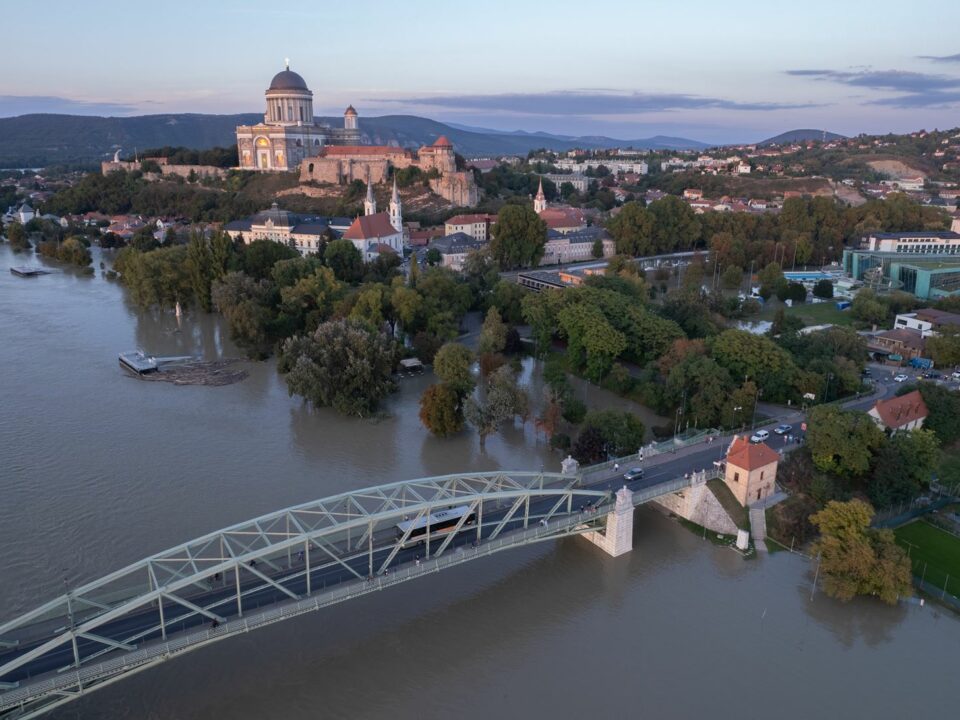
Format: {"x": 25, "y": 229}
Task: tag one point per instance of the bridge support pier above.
{"x": 617, "y": 538}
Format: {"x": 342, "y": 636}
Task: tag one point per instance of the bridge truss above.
{"x": 271, "y": 568}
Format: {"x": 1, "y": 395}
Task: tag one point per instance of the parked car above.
{"x": 931, "y": 375}
{"x": 633, "y": 474}
{"x": 955, "y": 375}
{"x": 783, "y": 429}
{"x": 901, "y": 377}
{"x": 759, "y": 436}
{"x": 866, "y": 372}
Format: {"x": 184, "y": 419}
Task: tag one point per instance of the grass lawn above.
{"x": 818, "y": 314}
{"x": 737, "y": 512}
{"x": 934, "y": 549}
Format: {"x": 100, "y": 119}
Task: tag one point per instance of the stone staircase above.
{"x": 758, "y": 527}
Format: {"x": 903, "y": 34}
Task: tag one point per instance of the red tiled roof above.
{"x": 750, "y": 456}
{"x": 562, "y": 217}
{"x": 362, "y": 150}
{"x": 898, "y": 411}
{"x": 442, "y": 142}
{"x": 369, "y": 227}
{"x": 384, "y": 248}
{"x": 471, "y": 219}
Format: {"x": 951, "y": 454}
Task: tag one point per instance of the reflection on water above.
{"x": 99, "y": 470}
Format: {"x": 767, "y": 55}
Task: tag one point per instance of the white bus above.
{"x": 440, "y": 523}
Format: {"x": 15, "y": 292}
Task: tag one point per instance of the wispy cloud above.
{"x": 920, "y": 90}
{"x": 13, "y": 105}
{"x": 588, "y": 103}
{"x": 941, "y": 58}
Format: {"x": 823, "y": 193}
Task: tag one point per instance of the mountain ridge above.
{"x": 42, "y": 139}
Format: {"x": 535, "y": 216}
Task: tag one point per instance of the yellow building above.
{"x": 751, "y": 471}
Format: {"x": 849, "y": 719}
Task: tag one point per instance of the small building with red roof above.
{"x": 751, "y": 470}
{"x": 906, "y": 412}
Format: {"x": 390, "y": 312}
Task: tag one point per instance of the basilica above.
{"x": 289, "y": 138}
{"x": 289, "y": 133}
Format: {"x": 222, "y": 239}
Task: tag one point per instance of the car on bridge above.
{"x": 759, "y": 436}
{"x": 633, "y": 474}
{"x": 783, "y": 429}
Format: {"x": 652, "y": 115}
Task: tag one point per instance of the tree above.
{"x": 441, "y": 410}
{"x": 342, "y": 364}
{"x": 453, "y": 365}
{"x": 597, "y": 250}
{"x": 772, "y": 281}
{"x": 675, "y": 225}
{"x": 500, "y": 401}
{"x": 732, "y": 277}
{"x": 758, "y": 358}
{"x": 823, "y": 289}
{"x": 621, "y": 431}
{"x": 518, "y": 237}
{"x": 592, "y": 341}
{"x": 244, "y": 303}
{"x": 943, "y": 406}
{"x": 345, "y": 260}
{"x": 17, "y": 237}
{"x": 857, "y": 560}
{"x": 433, "y": 257}
{"x": 493, "y": 334}
{"x": 200, "y": 268}
{"x": 842, "y": 441}
{"x": 74, "y": 252}
{"x": 260, "y": 255}
{"x": 944, "y": 347}
{"x": 632, "y": 230}
{"x": 868, "y": 307}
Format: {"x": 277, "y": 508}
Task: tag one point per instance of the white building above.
{"x": 476, "y": 225}
{"x": 615, "y": 166}
{"x": 924, "y": 242}
{"x": 581, "y": 183}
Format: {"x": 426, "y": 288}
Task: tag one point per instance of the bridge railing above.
{"x": 89, "y": 675}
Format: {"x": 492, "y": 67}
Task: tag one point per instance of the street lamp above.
{"x": 736, "y": 409}
{"x": 756, "y": 401}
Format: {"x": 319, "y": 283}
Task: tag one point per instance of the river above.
{"x": 98, "y": 469}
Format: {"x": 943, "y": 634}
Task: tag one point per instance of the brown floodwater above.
{"x": 98, "y": 470}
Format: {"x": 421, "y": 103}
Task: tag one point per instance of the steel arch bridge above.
{"x": 274, "y": 567}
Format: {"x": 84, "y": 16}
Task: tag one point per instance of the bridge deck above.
{"x": 279, "y": 566}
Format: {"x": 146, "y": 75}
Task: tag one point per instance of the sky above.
{"x": 716, "y": 72}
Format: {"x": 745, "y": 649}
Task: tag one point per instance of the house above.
{"x": 692, "y": 194}
{"x": 906, "y": 412}
{"x": 476, "y": 225}
{"x": 901, "y": 342}
{"x": 454, "y": 249}
{"x": 751, "y": 470}
{"x": 576, "y": 245}
{"x": 563, "y": 219}
{"x": 927, "y": 321}
{"x": 25, "y": 214}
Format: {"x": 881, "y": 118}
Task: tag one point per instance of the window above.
{"x": 301, "y": 114}
{"x": 736, "y": 477}
{"x": 761, "y": 474}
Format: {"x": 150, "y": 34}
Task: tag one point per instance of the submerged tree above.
{"x": 342, "y": 364}
{"x": 856, "y": 559}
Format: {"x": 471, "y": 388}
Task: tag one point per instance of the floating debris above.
{"x": 212, "y": 373}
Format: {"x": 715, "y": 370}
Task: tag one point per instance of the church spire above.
{"x": 396, "y": 215}
{"x": 370, "y": 204}
{"x": 540, "y": 201}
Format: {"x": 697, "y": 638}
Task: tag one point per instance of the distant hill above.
{"x": 795, "y": 136}
{"x": 47, "y": 139}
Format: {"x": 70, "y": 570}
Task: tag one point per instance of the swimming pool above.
{"x": 798, "y": 276}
